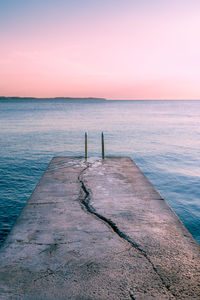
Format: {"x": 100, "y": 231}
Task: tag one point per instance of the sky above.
{"x": 144, "y": 49}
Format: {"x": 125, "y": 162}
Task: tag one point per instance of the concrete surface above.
{"x": 98, "y": 230}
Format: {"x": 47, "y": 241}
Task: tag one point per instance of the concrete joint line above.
{"x": 44, "y": 244}
{"x": 85, "y": 202}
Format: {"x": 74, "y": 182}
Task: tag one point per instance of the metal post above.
{"x": 102, "y": 144}
{"x": 86, "y": 145}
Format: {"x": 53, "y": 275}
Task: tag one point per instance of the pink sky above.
{"x": 126, "y": 51}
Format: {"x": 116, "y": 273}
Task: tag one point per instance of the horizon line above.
{"x": 97, "y": 98}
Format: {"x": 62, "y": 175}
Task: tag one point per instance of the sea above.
{"x": 162, "y": 137}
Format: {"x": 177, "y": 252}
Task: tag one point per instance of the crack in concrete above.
{"x": 85, "y": 201}
{"x": 131, "y": 296}
{"x": 48, "y": 273}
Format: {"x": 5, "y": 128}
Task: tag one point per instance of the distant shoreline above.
{"x": 51, "y": 98}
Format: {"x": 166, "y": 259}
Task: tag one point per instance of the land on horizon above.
{"x": 56, "y": 98}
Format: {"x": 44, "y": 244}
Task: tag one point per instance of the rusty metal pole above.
{"x": 102, "y": 144}
{"x": 86, "y": 145}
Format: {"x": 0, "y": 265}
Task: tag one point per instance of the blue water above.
{"x": 163, "y": 137}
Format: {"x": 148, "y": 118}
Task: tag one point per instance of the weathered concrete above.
{"x": 98, "y": 231}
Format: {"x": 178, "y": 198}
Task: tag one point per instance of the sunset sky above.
{"x": 117, "y": 49}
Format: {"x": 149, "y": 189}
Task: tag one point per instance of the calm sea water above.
{"x": 163, "y": 137}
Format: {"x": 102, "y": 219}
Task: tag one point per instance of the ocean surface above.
{"x": 163, "y": 138}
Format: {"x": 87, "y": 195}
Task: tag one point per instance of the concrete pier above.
{"x": 98, "y": 230}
